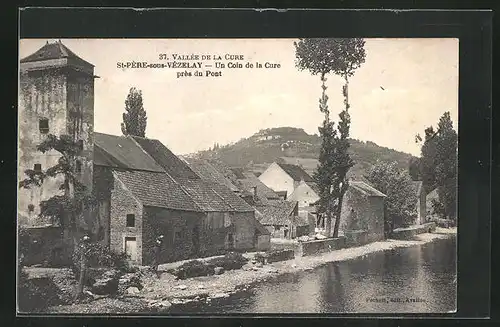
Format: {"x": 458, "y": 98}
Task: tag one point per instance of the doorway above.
{"x": 131, "y": 247}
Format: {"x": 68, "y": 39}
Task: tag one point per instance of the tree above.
{"x": 341, "y": 57}
{"x": 401, "y": 194}
{"x": 69, "y": 208}
{"x": 134, "y": 117}
{"x": 414, "y": 168}
{"x": 446, "y": 168}
{"x": 438, "y": 164}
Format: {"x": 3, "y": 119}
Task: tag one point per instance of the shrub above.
{"x": 99, "y": 256}
{"x": 34, "y": 295}
{"x": 230, "y": 261}
{"x": 259, "y": 257}
{"x": 193, "y": 268}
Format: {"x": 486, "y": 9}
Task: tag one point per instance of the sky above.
{"x": 404, "y": 86}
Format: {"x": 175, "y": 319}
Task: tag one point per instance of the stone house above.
{"x": 282, "y": 177}
{"x": 146, "y": 191}
{"x": 282, "y": 220}
{"x": 56, "y": 96}
{"x": 368, "y": 206}
{"x": 306, "y": 194}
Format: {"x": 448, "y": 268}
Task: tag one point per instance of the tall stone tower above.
{"x": 56, "y": 96}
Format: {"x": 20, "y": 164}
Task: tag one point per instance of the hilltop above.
{"x": 295, "y": 146}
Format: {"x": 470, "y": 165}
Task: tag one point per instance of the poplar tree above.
{"x": 134, "y": 118}
{"x": 322, "y": 56}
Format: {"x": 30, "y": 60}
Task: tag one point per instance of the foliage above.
{"x": 438, "y": 166}
{"x": 134, "y": 117}
{"x": 414, "y": 168}
{"x": 64, "y": 208}
{"x": 230, "y": 261}
{"x": 340, "y": 57}
{"x": 35, "y": 295}
{"x": 401, "y": 194}
{"x": 100, "y": 256}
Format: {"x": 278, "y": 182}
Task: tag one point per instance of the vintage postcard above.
{"x": 226, "y": 176}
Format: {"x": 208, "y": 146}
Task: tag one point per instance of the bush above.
{"x": 34, "y": 295}
{"x": 259, "y": 257}
{"x": 99, "y": 256}
{"x": 230, "y": 261}
{"x": 193, "y": 268}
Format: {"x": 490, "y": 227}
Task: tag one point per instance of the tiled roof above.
{"x": 156, "y": 190}
{"x": 55, "y": 50}
{"x": 238, "y": 172}
{"x": 208, "y": 172}
{"x": 300, "y": 221}
{"x": 173, "y": 165}
{"x": 366, "y": 189}
{"x": 296, "y": 172}
{"x": 264, "y": 193}
{"x": 211, "y": 197}
{"x": 277, "y": 213}
{"x": 123, "y": 152}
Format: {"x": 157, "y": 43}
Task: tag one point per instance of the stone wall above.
{"x": 410, "y": 232}
{"x": 320, "y": 246}
{"x": 244, "y": 227}
{"x": 44, "y": 246}
{"x": 123, "y": 203}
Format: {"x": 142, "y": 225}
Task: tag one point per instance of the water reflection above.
{"x": 410, "y": 280}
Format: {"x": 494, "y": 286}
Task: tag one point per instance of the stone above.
{"x": 181, "y": 287}
{"x": 219, "y": 295}
{"x": 259, "y": 265}
{"x": 294, "y": 265}
{"x": 218, "y": 270}
{"x": 132, "y": 290}
{"x": 105, "y": 286}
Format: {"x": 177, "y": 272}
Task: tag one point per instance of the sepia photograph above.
{"x": 230, "y": 176}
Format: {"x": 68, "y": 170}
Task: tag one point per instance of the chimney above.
{"x": 255, "y": 192}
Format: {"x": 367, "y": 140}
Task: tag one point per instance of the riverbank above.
{"x": 160, "y": 294}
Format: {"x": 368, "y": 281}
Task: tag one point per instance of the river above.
{"x": 419, "y": 279}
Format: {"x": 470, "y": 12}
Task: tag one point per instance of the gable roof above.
{"x": 313, "y": 186}
{"x": 122, "y": 152}
{"x": 248, "y": 181}
{"x": 172, "y": 164}
{"x": 296, "y": 172}
{"x": 277, "y": 213}
{"x": 238, "y": 172}
{"x": 55, "y": 50}
{"x": 366, "y": 189}
{"x": 208, "y": 172}
{"x": 211, "y": 197}
{"x": 156, "y": 190}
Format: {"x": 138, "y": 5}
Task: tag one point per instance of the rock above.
{"x": 181, "y": 287}
{"x": 105, "y": 285}
{"x": 132, "y": 290}
{"x": 176, "y": 301}
{"x": 201, "y": 287}
{"x": 294, "y": 266}
{"x": 259, "y": 265}
{"x": 253, "y": 261}
{"x": 218, "y": 270}
{"x": 273, "y": 270}
{"x": 219, "y": 295}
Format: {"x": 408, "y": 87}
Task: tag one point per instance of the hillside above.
{"x": 295, "y": 146}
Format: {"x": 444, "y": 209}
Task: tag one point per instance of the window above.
{"x": 78, "y": 166}
{"x": 227, "y": 219}
{"x": 130, "y": 220}
{"x": 177, "y": 235}
{"x": 37, "y": 167}
{"x": 43, "y": 125}
{"x": 31, "y": 208}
